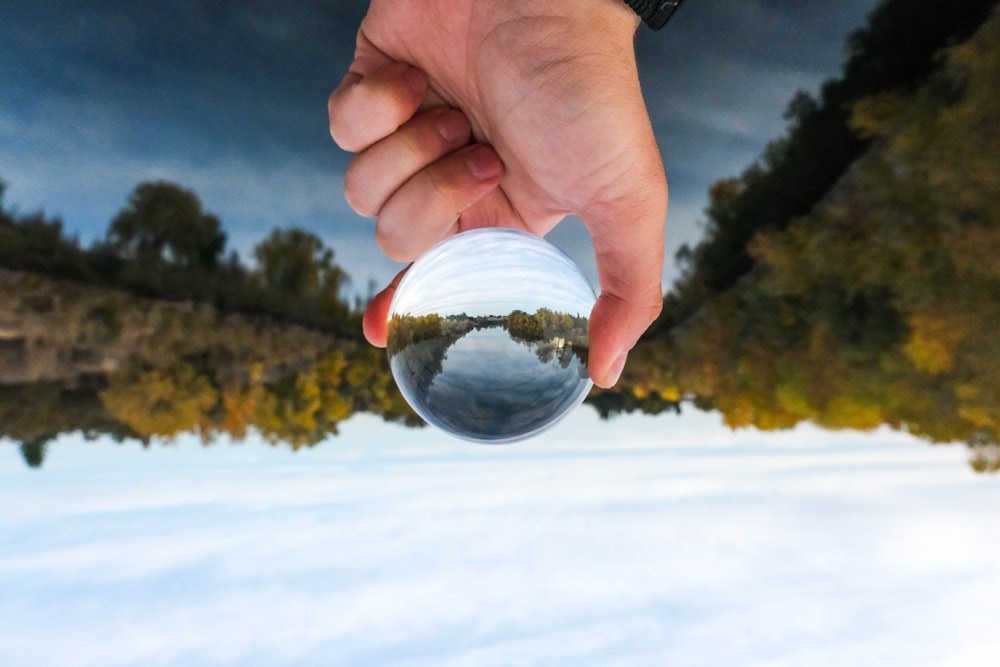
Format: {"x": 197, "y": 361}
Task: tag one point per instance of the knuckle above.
{"x": 338, "y": 108}
{"x": 348, "y": 130}
{"x": 423, "y": 142}
{"x": 355, "y": 192}
{"x": 648, "y": 305}
{"x": 654, "y": 308}
{"x": 648, "y": 297}
{"x": 444, "y": 184}
{"x": 389, "y": 243}
{"x": 339, "y": 134}
{"x": 643, "y": 304}
{"x": 342, "y": 136}
{"x": 336, "y": 121}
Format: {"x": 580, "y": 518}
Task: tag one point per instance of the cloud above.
{"x": 231, "y": 103}
{"x": 638, "y": 541}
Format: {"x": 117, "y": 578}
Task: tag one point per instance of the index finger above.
{"x": 375, "y": 322}
{"x": 366, "y": 108}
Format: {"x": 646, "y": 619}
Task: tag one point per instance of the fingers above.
{"x": 375, "y": 322}
{"x": 628, "y": 240}
{"x": 366, "y": 109}
{"x": 423, "y": 210}
{"x": 376, "y": 173}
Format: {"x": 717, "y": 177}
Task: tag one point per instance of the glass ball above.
{"x": 488, "y": 335}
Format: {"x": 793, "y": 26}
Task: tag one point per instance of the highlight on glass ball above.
{"x": 488, "y": 335}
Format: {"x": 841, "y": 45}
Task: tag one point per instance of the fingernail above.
{"x": 453, "y": 126}
{"x": 616, "y": 368}
{"x": 484, "y": 164}
{"x": 416, "y": 79}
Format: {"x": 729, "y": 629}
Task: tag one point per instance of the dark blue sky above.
{"x": 229, "y": 98}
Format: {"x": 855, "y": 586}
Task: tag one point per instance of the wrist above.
{"x": 529, "y": 35}
{"x": 613, "y": 18}
{"x": 655, "y": 13}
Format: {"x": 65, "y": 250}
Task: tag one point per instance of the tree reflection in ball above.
{"x": 488, "y": 335}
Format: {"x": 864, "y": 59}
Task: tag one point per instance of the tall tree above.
{"x": 297, "y": 262}
{"x": 892, "y": 55}
{"x": 164, "y": 223}
{"x": 880, "y": 305}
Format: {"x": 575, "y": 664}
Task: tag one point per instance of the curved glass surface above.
{"x": 488, "y": 335}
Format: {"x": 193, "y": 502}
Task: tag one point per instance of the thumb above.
{"x": 374, "y": 323}
{"x": 627, "y": 228}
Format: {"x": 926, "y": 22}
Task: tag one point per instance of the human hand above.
{"x": 553, "y": 88}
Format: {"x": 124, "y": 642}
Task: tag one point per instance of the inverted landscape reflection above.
{"x": 466, "y": 364}
{"x": 851, "y": 291}
{"x": 203, "y": 462}
{"x": 488, "y": 386}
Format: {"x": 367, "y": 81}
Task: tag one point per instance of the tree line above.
{"x": 890, "y": 57}
{"x": 878, "y": 305}
{"x": 848, "y": 278}
{"x": 101, "y": 361}
{"x": 164, "y": 245}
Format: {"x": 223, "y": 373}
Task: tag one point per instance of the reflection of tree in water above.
{"x": 552, "y": 336}
{"x": 160, "y": 333}
{"x": 426, "y": 340}
{"x": 103, "y": 362}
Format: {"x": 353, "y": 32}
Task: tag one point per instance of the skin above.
{"x": 475, "y": 113}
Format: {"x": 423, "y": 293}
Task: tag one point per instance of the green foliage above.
{"x": 163, "y": 245}
{"x": 160, "y": 402}
{"x": 36, "y": 243}
{"x": 888, "y": 58}
{"x": 103, "y": 361}
{"x": 848, "y": 278}
{"x": 552, "y": 336}
{"x": 878, "y": 307}
{"x": 523, "y": 326}
{"x": 164, "y": 223}
{"x": 405, "y": 330}
{"x": 293, "y": 261}
{"x": 33, "y": 452}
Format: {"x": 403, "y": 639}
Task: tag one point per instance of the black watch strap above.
{"x": 655, "y": 13}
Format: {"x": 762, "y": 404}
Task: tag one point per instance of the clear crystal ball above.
{"x": 488, "y": 335}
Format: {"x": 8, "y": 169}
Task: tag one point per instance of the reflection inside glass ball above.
{"x": 488, "y": 335}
